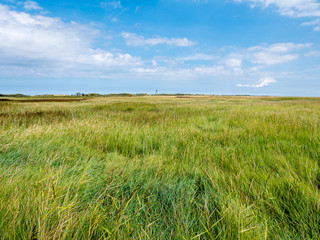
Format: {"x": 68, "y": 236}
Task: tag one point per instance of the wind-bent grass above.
{"x": 160, "y": 168}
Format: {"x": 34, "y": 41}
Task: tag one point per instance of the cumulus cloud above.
{"x": 274, "y": 54}
{"x": 261, "y": 83}
{"x": 135, "y": 40}
{"x": 252, "y": 62}
{"x": 261, "y": 56}
{"x": 47, "y": 44}
{"x": 292, "y": 8}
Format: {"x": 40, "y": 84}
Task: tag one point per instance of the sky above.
{"x": 222, "y": 47}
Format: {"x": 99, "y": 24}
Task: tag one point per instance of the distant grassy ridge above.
{"x": 160, "y": 167}
{"x": 42, "y": 100}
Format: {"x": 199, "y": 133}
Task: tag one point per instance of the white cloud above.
{"x": 197, "y": 57}
{"x": 234, "y": 63}
{"x": 313, "y": 54}
{"x": 310, "y": 23}
{"x": 315, "y": 23}
{"x": 274, "y": 54}
{"x": 114, "y": 20}
{"x": 261, "y": 56}
{"x": 45, "y": 44}
{"x": 135, "y": 40}
{"x": 37, "y": 45}
{"x": 144, "y": 70}
{"x": 31, "y": 5}
{"x": 249, "y": 63}
{"x": 261, "y": 83}
{"x": 267, "y": 58}
{"x": 188, "y": 59}
{"x": 111, "y": 4}
{"x": 292, "y": 8}
{"x": 154, "y": 63}
{"x": 216, "y": 70}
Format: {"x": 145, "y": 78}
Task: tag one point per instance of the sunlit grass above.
{"x": 160, "y": 167}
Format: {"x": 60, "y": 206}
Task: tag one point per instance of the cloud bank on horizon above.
{"x": 38, "y": 41}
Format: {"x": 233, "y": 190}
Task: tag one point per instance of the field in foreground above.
{"x": 160, "y": 168}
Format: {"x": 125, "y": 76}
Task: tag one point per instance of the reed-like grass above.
{"x": 160, "y": 168}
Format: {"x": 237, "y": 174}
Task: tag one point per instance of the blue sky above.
{"x": 256, "y": 47}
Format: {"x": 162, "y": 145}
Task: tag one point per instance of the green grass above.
{"x": 165, "y": 167}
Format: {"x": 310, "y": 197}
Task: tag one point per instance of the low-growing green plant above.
{"x": 160, "y": 167}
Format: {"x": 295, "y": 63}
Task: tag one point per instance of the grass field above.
{"x": 160, "y": 167}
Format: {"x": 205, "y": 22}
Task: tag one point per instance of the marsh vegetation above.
{"x": 160, "y": 167}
